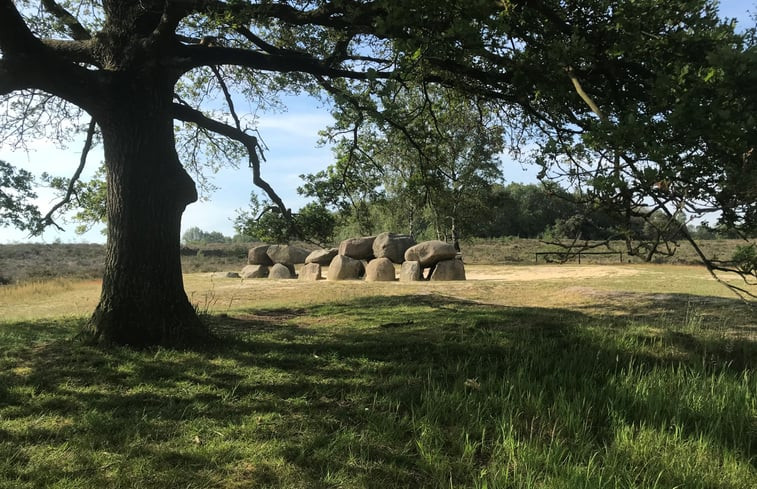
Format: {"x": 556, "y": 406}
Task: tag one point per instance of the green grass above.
{"x": 405, "y": 391}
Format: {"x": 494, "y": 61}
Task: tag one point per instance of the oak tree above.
{"x": 142, "y": 70}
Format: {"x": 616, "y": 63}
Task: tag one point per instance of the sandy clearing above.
{"x": 545, "y": 272}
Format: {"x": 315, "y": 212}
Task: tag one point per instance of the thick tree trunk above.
{"x": 143, "y": 300}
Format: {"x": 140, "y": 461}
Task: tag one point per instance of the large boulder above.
{"x": 358, "y": 248}
{"x": 429, "y": 253}
{"x": 411, "y": 271}
{"x": 379, "y": 270}
{"x": 287, "y": 254}
{"x": 322, "y": 257}
{"x": 280, "y": 271}
{"x": 449, "y": 270}
{"x": 254, "y": 271}
{"x": 259, "y": 256}
{"x": 392, "y": 246}
{"x": 345, "y": 268}
{"x": 311, "y": 272}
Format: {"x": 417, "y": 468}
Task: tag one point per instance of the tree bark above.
{"x": 143, "y": 302}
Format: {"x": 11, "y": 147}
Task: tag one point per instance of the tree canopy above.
{"x": 637, "y": 104}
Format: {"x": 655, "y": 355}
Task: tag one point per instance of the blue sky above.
{"x": 292, "y": 141}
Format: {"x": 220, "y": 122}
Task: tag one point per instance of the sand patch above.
{"x": 546, "y": 272}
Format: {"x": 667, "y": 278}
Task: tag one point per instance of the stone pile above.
{"x": 370, "y": 258}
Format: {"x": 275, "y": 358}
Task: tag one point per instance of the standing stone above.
{"x": 345, "y": 268}
{"x": 259, "y": 256}
{"x": 311, "y": 272}
{"x": 379, "y": 270}
{"x": 280, "y": 271}
{"x": 322, "y": 257}
{"x": 357, "y": 248}
{"x": 287, "y": 254}
{"x": 392, "y": 246}
{"x": 428, "y": 253}
{"x": 410, "y": 271}
{"x": 449, "y": 270}
{"x": 254, "y": 271}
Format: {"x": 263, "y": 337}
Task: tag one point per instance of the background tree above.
{"x": 16, "y": 194}
{"x": 264, "y": 222}
{"x": 195, "y": 235}
{"x": 434, "y": 164}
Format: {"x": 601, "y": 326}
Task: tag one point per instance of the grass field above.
{"x": 523, "y": 376}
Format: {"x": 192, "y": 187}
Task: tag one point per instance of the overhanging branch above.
{"x": 194, "y": 56}
{"x": 15, "y": 36}
{"x": 28, "y": 62}
{"x": 48, "y": 219}
{"x": 77, "y": 30}
{"x": 251, "y": 144}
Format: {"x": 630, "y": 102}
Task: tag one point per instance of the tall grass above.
{"x": 35, "y": 288}
{"x": 406, "y": 391}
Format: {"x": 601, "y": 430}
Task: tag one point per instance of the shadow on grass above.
{"x": 374, "y": 392}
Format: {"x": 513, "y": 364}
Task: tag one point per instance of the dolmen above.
{"x": 276, "y": 262}
{"x": 369, "y": 258}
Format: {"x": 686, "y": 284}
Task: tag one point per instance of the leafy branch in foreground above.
{"x": 676, "y": 140}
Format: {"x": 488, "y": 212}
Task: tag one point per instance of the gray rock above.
{"x": 357, "y": 248}
{"x": 322, "y": 257}
{"x": 287, "y": 254}
{"x": 280, "y": 271}
{"x": 379, "y": 270}
{"x": 232, "y": 275}
{"x": 259, "y": 256}
{"x": 429, "y": 253}
{"x": 345, "y": 268}
{"x": 449, "y": 270}
{"x": 410, "y": 271}
{"x": 392, "y": 246}
{"x": 311, "y": 272}
{"x": 255, "y": 271}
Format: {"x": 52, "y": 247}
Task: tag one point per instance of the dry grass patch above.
{"x": 47, "y": 299}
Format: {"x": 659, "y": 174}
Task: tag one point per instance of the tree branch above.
{"x": 585, "y": 96}
{"x": 27, "y": 62}
{"x": 48, "y": 219}
{"x": 227, "y": 95}
{"x": 190, "y": 57}
{"x": 75, "y": 51}
{"x": 189, "y": 114}
{"x": 15, "y": 36}
{"x": 78, "y": 32}
{"x": 256, "y": 40}
{"x": 709, "y": 264}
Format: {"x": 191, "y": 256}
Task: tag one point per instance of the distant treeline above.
{"x": 514, "y": 210}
